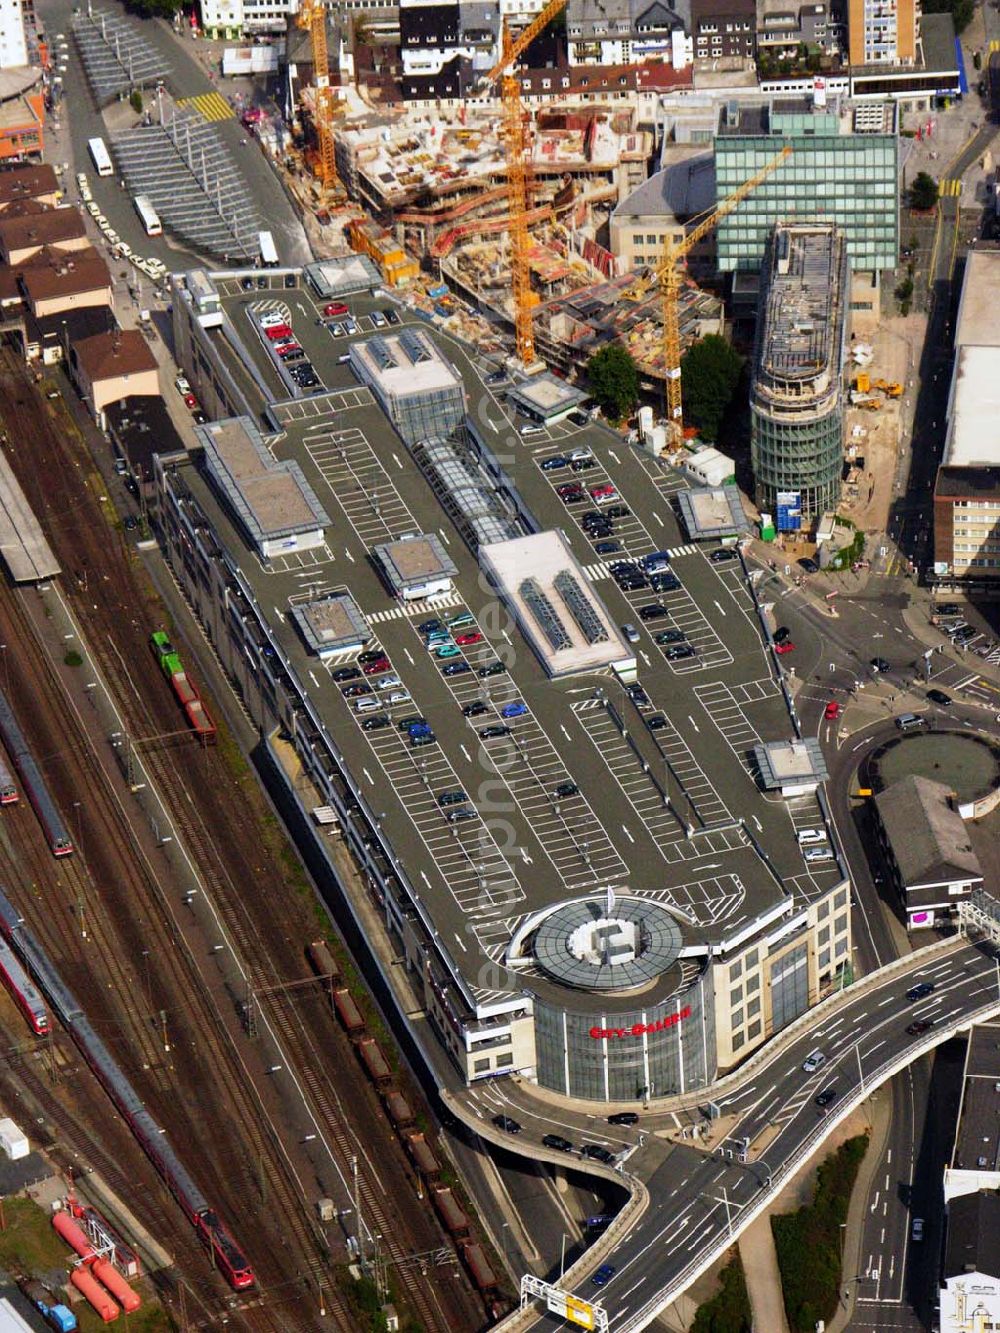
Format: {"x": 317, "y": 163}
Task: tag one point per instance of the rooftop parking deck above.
{"x": 577, "y": 784}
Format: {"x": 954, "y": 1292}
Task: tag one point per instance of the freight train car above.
{"x": 322, "y": 961}
{"x": 423, "y": 1156}
{"x": 375, "y": 1062}
{"x": 23, "y": 991}
{"x": 31, "y": 778}
{"x": 479, "y": 1268}
{"x": 183, "y": 686}
{"x": 226, "y": 1254}
{"x": 350, "y": 1016}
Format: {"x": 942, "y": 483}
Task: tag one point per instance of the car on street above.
{"x": 516, "y": 709}
{"x": 917, "y": 1230}
{"x": 554, "y": 463}
{"x": 624, "y": 1118}
{"x": 939, "y": 697}
{"x": 920, "y": 991}
{"x": 832, "y": 711}
{"x": 456, "y": 669}
{"x": 493, "y": 732}
{"x": 130, "y": 523}
{"x": 652, "y": 611}
{"x": 566, "y": 789}
{"x": 921, "y": 1026}
{"x": 723, "y": 554}
{"x": 782, "y": 634}
{"x": 810, "y": 566}
{"x": 345, "y": 673}
{"x": 190, "y": 400}
{"x": 813, "y": 1061}
{"x": 505, "y": 1123}
{"x": 603, "y": 1275}
{"x": 827, "y": 1096}
{"x": 375, "y": 723}
{"x": 677, "y": 651}
{"x": 497, "y": 377}
{"x": 558, "y": 1142}
{"x": 476, "y": 709}
{"x": 598, "y": 1153}
{"x": 879, "y": 664}
{"x": 784, "y": 647}
{"x": 669, "y": 636}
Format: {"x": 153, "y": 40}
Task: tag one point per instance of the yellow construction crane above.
{"x": 519, "y": 172}
{"x": 669, "y": 276}
{"x": 312, "y": 15}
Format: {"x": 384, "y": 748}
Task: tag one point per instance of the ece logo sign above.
{"x": 640, "y": 1029}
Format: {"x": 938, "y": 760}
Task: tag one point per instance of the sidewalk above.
{"x": 760, "y": 1268}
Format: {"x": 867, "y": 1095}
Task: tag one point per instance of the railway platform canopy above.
{"x": 25, "y": 551}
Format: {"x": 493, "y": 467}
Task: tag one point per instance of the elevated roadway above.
{"x": 692, "y": 1196}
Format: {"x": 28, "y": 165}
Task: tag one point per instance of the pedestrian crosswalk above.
{"x": 417, "y": 608}
{"x": 211, "y": 106}
{"x": 952, "y": 188}
{"x": 601, "y": 568}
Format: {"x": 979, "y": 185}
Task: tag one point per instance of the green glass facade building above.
{"x": 797, "y": 386}
{"x": 843, "y": 169}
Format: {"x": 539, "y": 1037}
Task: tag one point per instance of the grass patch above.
{"x": 30, "y": 1247}
{"x": 808, "y": 1241}
{"x": 361, "y": 1297}
{"x": 729, "y": 1309}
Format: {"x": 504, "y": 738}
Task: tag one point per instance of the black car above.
{"x": 597, "y": 527}
{"x": 617, "y": 511}
{"x": 579, "y": 418}
{"x": 939, "y": 697}
{"x": 494, "y": 732}
{"x": 598, "y": 1153}
{"x": 262, "y": 284}
{"x": 557, "y": 1141}
{"x": 247, "y": 284}
{"x": 921, "y": 1026}
{"x": 456, "y": 669}
{"x": 657, "y": 722}
{"x": 409, "y": 722}
{"x": 723, "y": 554}
{"x": 607, "y": 548}
{"x": 664, "y": 582}
{"x": 430, "y": 626}
{"x": 459, "y": 813}
{"x": 810, "y": 566}
{"x": 631, "y": 582}
{"x": 554, "y": 463}
{"x": 505, "y": 1123}
{"x": 497, "y": 377}
{"x": 624, "y": 567}
{"x": 374, "y": 655}
{"x": 583, "y": 464}
{"x": 567, "y": 789}
{"x": 345, "y": 673}
{"x": 638, "y": 695}
{"x": 492, "y": 669}
{"x": 782, "y": 634}
{"x": 827, "y": 1096}
{"x": 879, "y": 664}
{"x": 390, "y": 315}
{"x": 623, "y": 1118}
{"x": 678, "y": 650}
{"x": 457, "y": 797}
{"x": 964, "y": 635}
{"x": 652, "y": 611}
{"x": 355, "y": 691}
{"x": 475, "y": 710}
{"x": 289, "y": 280}
{"x": 375, "y": 723}
{"x": 920, "y": 991}
{"x": 670, "y": 636}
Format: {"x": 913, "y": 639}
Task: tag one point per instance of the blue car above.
{"x": 517, "y": 709}
{"x": 604, "y": 1275}
{"x": 554, "y": 463}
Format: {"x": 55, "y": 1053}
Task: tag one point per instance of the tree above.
{"x": 135, "y": 98}
{"x": 923, "y": 192}
{"x": 614, "y": 380}
{"x": 961, "y": 11}
{"x": 710, "y": 372}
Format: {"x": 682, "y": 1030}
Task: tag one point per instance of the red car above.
{"x": 603, "y": 494}
{"x": 786, "y": 647}
{"x": 288, "y": 349}
{"x": 374, "y": 668}
{"x": 190, "y": 400}
{"x": 336, "y": 308}
{"x": 466, "y": 639}
{"x": 277, "y": 331}
{"x": 832, "y": 711}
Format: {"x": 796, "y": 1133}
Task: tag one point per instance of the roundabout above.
{"x": 969, "y": 765}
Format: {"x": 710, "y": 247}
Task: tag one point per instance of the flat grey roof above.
{"x": 712, "y": 512}
{"x": 273, "y": 499}
{"x": 791, "y": 761}
{"x": 344, "y": 275}
{"x": 415, "y": 560}
{"x": 545, "y": 396}
{"x": 25, "y": 551}
{"x": 329, "y": 624}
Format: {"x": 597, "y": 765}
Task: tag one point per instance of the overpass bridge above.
{"x": 690, "y": 1199}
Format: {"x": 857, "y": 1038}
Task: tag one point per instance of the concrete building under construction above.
{"x": 797, "y": 389}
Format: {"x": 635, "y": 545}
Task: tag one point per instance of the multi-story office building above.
{"x": 882, "y": 32}
{"x": 843, "y": 168}
{"x": 796, "y": 394}
{"x": 967, "y": 493}
{"x": 723, "y": 32}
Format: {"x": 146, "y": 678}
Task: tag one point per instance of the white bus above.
{"x": 148, "y": 216}
{"x": 268, "y": 254}
{"x": 102, "y": 159}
